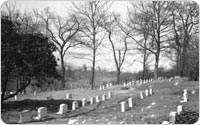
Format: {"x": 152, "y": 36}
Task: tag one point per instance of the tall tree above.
{"x": 160, "y": 29}
{"x": 92, "y": 13}
{"x": 61, "y": 31}
{"x": 24, "y": 56}
{"x": 139, "y": 25}
{"x": 185, "y": 20}
{"x": 112, "y": 26}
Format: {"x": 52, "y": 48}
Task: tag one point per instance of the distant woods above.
{"x": 152, "y": 29}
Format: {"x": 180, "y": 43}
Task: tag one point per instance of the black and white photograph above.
{"x": 99, "y": 62}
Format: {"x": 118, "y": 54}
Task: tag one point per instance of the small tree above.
{"x": 112, "y": 26}
{"x": 61, "y": 31}
{"x": 92, "y": 13}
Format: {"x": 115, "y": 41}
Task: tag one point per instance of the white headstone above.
{"x": 124, "y": 84}
{"x": 146, "y": 92}
{"x": 83, "y": 102}
{"x": 91, "y": 100}
{"x": 179, "y": 109}
{"x": 25, "y": 116}
{"x": 35, "y": 93}
{"x": 62, "y": 109}
{"x": 74, "y": 105}
{"x": 107, "y": 85}
{"x": 130, "y": 102}
{"x": 103, "y": 87}
{"x": 42, "y": 112}
{"x": 193, "y": 92}
{"x": 97, "y": 99}
{"x": 165, "y": 122}
{"x": 68, "y": 96}
{"x": 103, "y": 97}
{"x": 172, "y": 117}
{"x": 100, "y": 88}
{"x": 150, "y": 91}
{"x": 15, "y": 97}
{"x": 110, "y": 84}
{"x": 141, "y": 95}
{"x": 185, "y": 96}
{"x": 122, "y": 106}
{"x": 109, "y": 95}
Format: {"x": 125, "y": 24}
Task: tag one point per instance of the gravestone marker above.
{"x": 68, "y": 96}
{"x": 141, "y": 95}
{"x": 146, "y": 92}
{"x": 122, "y": 106}
{"x": 103, "y": 87}
{"x": 130, "y": 102}
{"x": 83, "y": 102}
{"x": 97, "y": 99}
{"x": 124, "y": 84}
{"x": 109, "y": 95}
{"x": 15, "y": 97}
{"x": 42, "y": 112}
{"x": 25, "y": 116}
{"x": 100, "y": 88}
{"x": 107, "y": 85}
{"x": 179, "y": 109}
{"x": 74, "y": 105}
{"x": 91, "y": 100}
{"x": 150, "y": 91}
{"x": 62, "y": 109}
{"x": 34, "y": 93}
{"x": 172, "y": 117}
{"x": 103, "y": 97}
{"x": 165, "y": 122}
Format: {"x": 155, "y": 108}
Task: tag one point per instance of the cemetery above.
{"x": 164, "y": 104}
{"x": 99, "y": 62}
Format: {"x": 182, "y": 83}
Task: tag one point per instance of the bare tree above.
{"x": 62, "y": 32}
{"x": 184, "y": 24}
{"x": 139, "y": 25}
{"x": 157, "y": 20}
{"x": 113, "y": 28}
{"x": 92, "y": 13}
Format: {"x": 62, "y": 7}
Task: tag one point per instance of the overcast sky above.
{"x": 105, "y": 60}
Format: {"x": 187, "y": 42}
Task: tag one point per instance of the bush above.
{"x": 187, "y": 117}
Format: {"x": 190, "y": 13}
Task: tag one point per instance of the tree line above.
{"x": 153, "y": 28}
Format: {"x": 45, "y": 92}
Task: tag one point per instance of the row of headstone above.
{"x": 26, "y": 115}
{"x": 185, "y": 96}
{"x": 103, "y": 98}
{"x": 102, "y": 87}
{"x": 147, "y": 92}
{"x": 130, "y": 104}
{"x": 179, "y": 109}
{"x": 172, "y": 115}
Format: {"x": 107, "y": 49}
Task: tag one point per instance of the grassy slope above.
{"x": 166, "y": 97}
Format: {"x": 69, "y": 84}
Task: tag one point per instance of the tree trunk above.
{"x": 63, "y": 71}
{"x": 144, "y": 65}
{"x": 177, "y": 64}
{"x": 156, "y": 66}
{"x": 4, "y": 86}
{"x": 118, "y": 76}
{"x": 184, "y": 54}
{"x": 93, "y": 69}
{"x": 19, "y": 90}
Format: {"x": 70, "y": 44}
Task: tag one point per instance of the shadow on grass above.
{"x": 52, "y": 105}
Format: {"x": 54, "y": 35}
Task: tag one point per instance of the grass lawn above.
{"x": 151, "y": 110}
